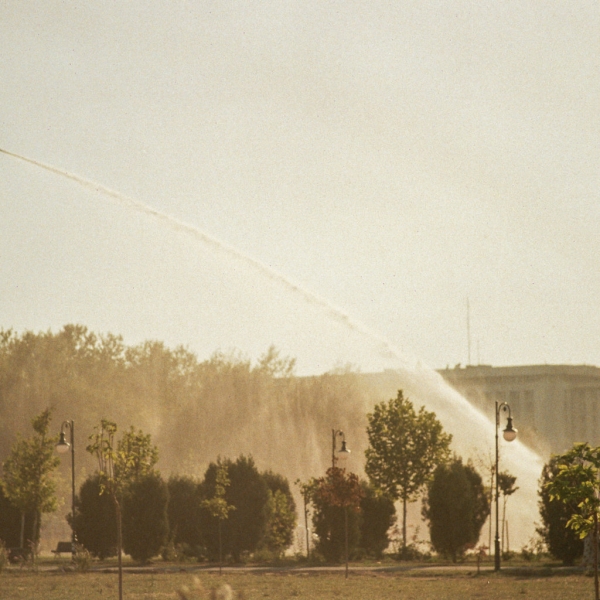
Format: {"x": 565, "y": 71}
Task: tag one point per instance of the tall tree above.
{"x": 27, "y": 474}
{"x": 456, "y": 507}
{"x": 245, "y": 527}
{"x": 95, "y": 516}
{"x": 281, "y": 513}
{"x": 405, "y": 446}
{"x": 145, "y": 518}
{"x": 562, "y": 542}
{"x": 184, "y": 514}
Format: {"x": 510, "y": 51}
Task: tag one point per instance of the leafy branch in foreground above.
{"x": 576, "y": 484}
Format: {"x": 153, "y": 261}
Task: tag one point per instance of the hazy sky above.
{"x": 393, "y": 158}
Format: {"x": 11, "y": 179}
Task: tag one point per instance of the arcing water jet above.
{"x": 473, "y": 432}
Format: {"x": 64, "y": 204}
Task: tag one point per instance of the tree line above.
{"x": 235, "y": 510}
{"x": 194, "y": 409}
{"x": 227, "y": 406}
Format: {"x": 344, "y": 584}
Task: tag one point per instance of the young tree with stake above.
{"x": 27, "y": 475}
{"x": 217, "y": 506}
{"x": 118, "y": 466}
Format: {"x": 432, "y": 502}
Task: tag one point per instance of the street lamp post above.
{"x": 509, "y": 434}
{"x": 62, "y": 447}
{"x": 342, "y": 454}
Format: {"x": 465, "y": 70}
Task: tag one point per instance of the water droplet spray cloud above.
{"x": 472, "y": 431}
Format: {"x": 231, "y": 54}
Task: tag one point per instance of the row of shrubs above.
{"x": 171, "y": 518}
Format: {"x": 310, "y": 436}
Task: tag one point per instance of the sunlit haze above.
{"x": 392, "y": 158}
{"x": 336, "y": 179}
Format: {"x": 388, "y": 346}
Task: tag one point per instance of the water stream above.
{"x": 473, "y": 432}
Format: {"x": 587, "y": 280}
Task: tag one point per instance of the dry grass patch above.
{"x": 281, "y": 585}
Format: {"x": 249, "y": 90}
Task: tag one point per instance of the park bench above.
{"x": 62, "y": 547}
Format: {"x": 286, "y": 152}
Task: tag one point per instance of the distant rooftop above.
{"x": 476, "y": 371}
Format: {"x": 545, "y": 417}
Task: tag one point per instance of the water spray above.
{"x": 459, "y": 416}
{"x": 384, "y": 347}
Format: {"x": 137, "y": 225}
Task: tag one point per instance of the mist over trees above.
{"x": 194, "y": 410}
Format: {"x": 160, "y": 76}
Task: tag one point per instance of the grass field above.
{"x": 417, "y": 584}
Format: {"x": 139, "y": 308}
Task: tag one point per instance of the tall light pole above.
{"x": 509, "y": 434}
{"x": 62, "y": 447}
{"x": 342, "y": 454}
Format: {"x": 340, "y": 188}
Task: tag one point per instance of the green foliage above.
{"x": 506, "y": 486}
{"x": 378, "y": 515}
{"x": 281, "y": 514}
{"x": 184, "y": 513}
{"x": 119, "y": 467}
{"x": 27, "y": 472}
{"x": 506, "y": 483}
{"x": 456, "y": 508}
{"x": 82, "y": 559}
{"x": 217, "y": 506}
{"x": 405, "y": 446}
{"x": 281, "y": 523}
{"x": 95, "y": 519}
{"x": 335, "y": 498}
{"x": 576, "y": 484}
{"x": 248, "y": 493}
{"x": 145, "y": 519}
{"x": 10, "y": 523}
{"x": 562, "y": 542}
{"x": 102, "y": 446}
{"x": 136, "y": 456}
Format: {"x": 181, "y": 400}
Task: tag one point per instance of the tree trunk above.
{"x": 34, "y": 541}
{"x": 220, "y": 549}
{"x": 306, "y": 527}
{"x": 22, "y": 538}
{"x": 503, "y": 520}
{"x": 346, "y": 536}
{"x": 403, "y": 526}
{"x": 595, "y": 538}
{"x": 491, "y": 511}
{"x": 119, "y": 545}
